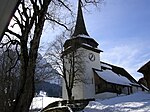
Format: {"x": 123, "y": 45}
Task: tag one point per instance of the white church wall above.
{"x": 77, "y": 91}
{"x": 89, "y": 86}
{"x": 85, "y": 89}
{"x": 64, "y": 91}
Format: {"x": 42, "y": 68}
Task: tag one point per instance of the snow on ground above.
{"x": 41, "y": 102}
{"x": 138, "y": 102}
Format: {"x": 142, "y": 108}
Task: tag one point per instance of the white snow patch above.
{"x": 42, "y": 102}
{"x": 138, "y": 102}
{"x": 42, "y": 94}
{"x": 107, "y": 66}
{"x": 83, "y": 35}
{"x": 89, "y": 46}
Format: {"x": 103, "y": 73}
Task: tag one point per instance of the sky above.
{"x": 122, "y": 29}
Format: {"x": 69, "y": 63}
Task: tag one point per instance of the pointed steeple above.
{"x": 80, "y": 25}
{"x": 80, "y": 37}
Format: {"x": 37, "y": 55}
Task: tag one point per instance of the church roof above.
{"x": 145, "y": 67}
{"x": 110, "y": 76}
{"x": 80, "y": 24}
{"x": 114, "y": 74}
{"x": 117, "y": 70}
{"x": 80, "y": 37}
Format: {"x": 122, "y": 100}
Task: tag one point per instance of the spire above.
{"x": 80, "y": 25}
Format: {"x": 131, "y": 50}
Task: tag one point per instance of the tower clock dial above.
{"x": 91, "y": 56}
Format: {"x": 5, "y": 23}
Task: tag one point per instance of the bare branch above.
{"x": 13, "y": 33}
{"x": 18, "y": 22}
{"x": 24, "y": 12}
{"x": 40, "y": 1}
{"x": 55, "y": 21}
{"x": 64, "y": 5}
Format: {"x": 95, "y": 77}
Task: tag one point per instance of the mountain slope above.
{"x": 52, "y": 90}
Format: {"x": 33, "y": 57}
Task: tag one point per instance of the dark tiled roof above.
{"x": 145, "y": 67}
{"x": 80, "y": 40}
{"x": 80, "y": 35}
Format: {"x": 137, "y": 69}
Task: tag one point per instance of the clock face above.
{"x": 91, "y": 56}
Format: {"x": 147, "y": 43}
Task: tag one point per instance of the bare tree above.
{"x": 30, "y": 17}
{"x": 73, "y": 70}
{"x": 54, "y": 52}
{"x": 75, "y": 63}
{"x": 8, "y": 80}
{"x": 44, "y": 70}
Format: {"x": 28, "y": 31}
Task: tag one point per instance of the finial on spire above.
{"x": 80, "y": 25}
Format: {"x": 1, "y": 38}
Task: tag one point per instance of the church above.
{"x": 91, "y": 78}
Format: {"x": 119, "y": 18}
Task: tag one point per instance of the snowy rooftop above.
{"x": 90, "y": 46}
{"x": 105, "y": 65}
{"x": 112, "y": 77}
{"x": 83, "y": 35}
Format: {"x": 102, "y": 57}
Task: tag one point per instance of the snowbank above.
{"x": 138, "y": 102}
{"x": 41, "y": 102}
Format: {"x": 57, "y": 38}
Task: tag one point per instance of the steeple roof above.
{"x": 80, "y": 37}
{"x": 80, "y": 28}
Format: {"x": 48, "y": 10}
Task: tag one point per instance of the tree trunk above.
{"x": 27, "y": 94}
{"x": 69, "y": 92}
{"x": 28, "y": 62}
{"x": 26, "y": 91}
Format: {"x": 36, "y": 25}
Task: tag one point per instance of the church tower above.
{"x": 86, "y": 57}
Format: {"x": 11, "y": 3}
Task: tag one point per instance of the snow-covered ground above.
{"x": 41, "y": 102}
{"x": 138, "y": 102}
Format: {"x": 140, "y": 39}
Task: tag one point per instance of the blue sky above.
{"x": 122, "y": 29}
